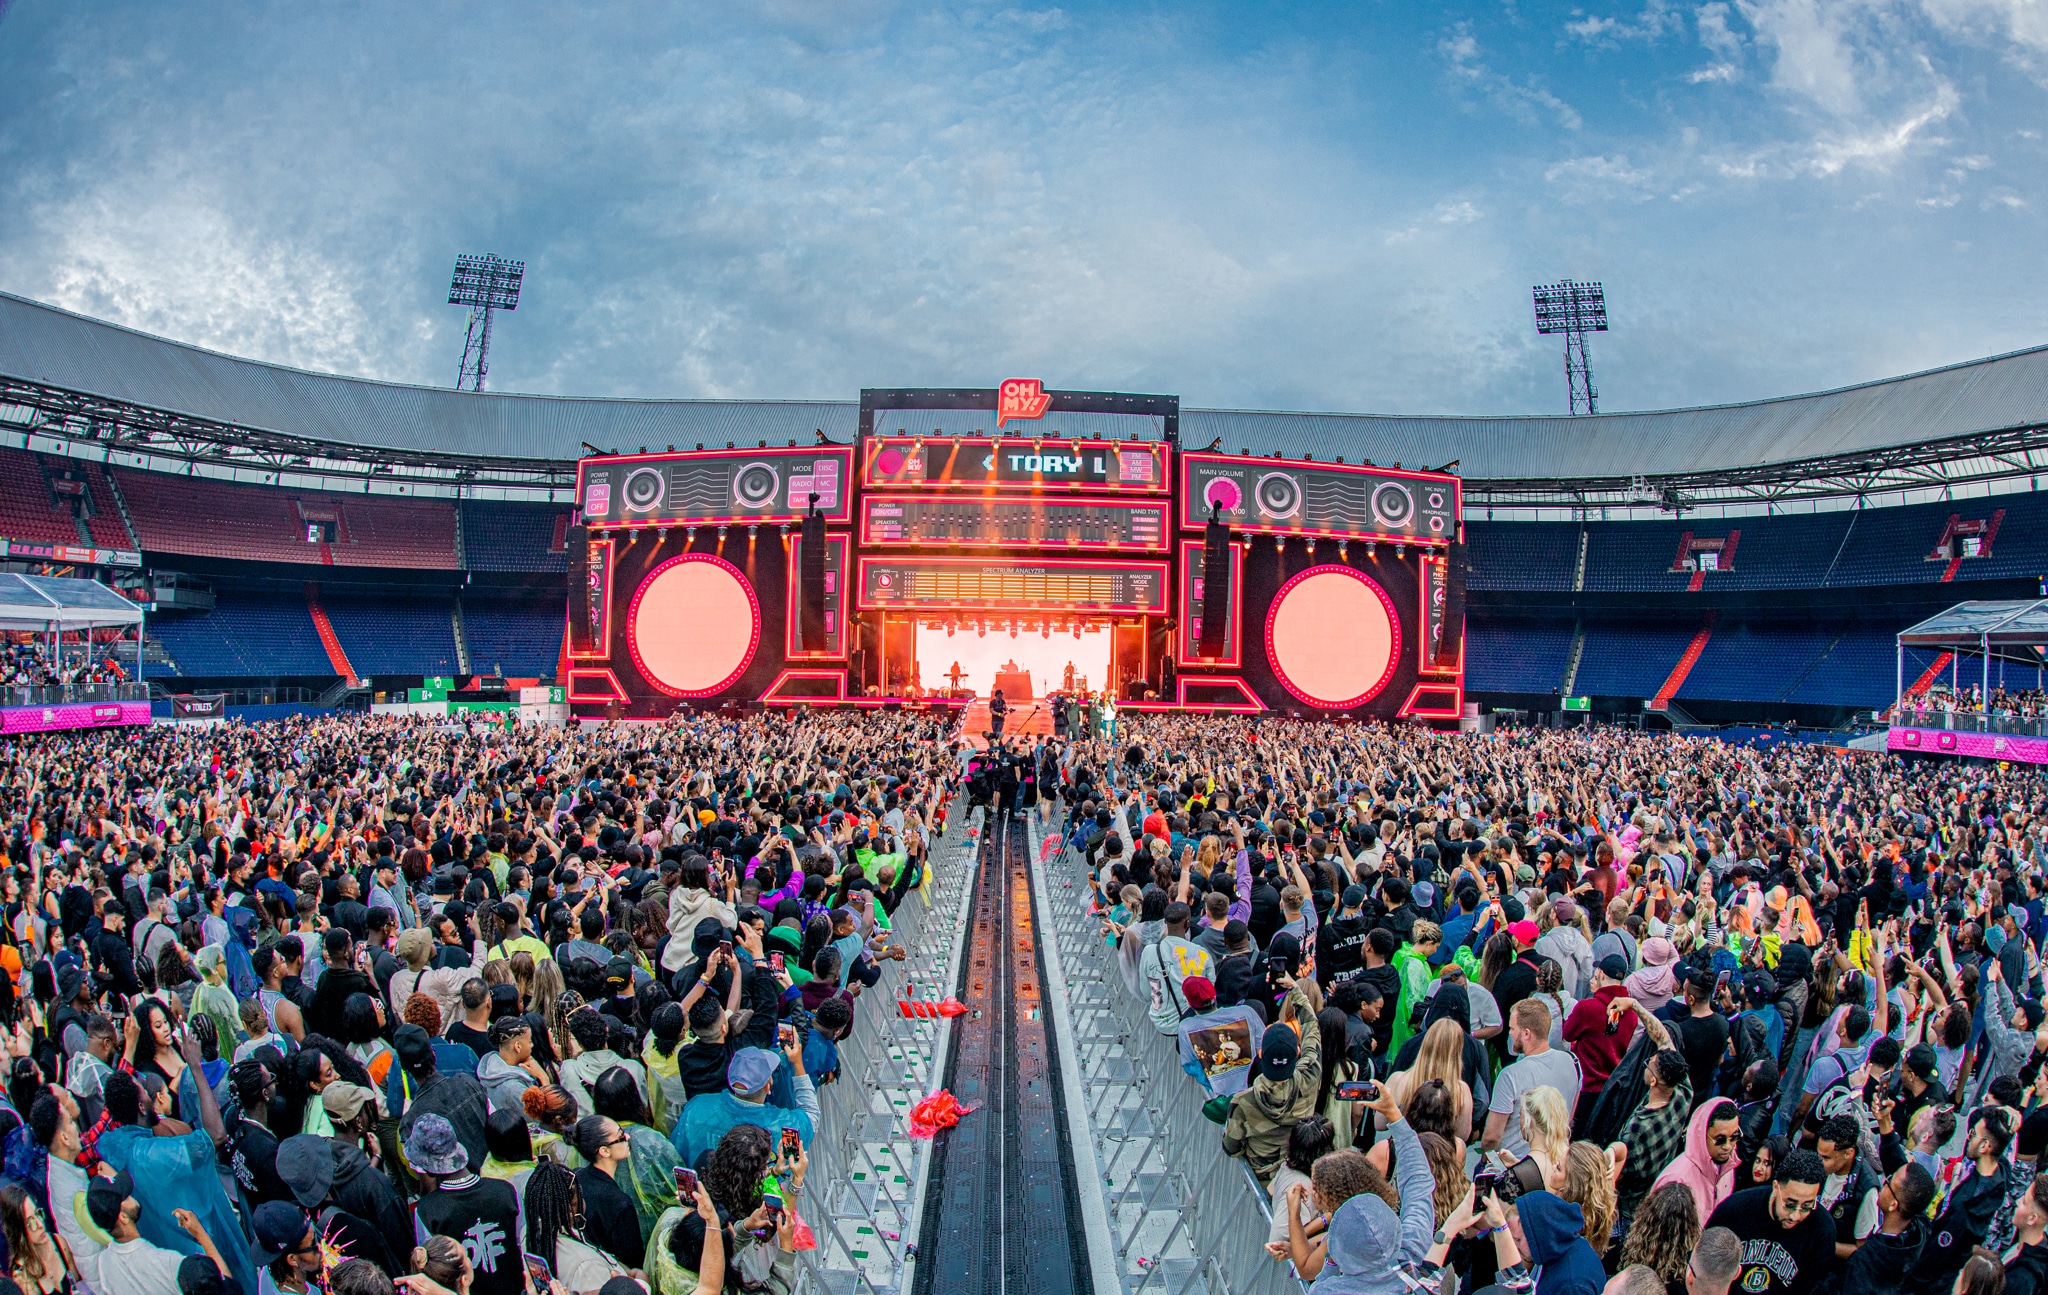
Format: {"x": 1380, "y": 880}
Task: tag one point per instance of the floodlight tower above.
{"x": 1574, "y": 309}
{"x": 485, "y": 284}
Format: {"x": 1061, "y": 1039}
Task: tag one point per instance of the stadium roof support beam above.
{"x": 117, "y": 426}
{"x": 1954, "y": 461}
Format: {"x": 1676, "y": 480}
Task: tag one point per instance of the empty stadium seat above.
{"x": 523, "y": 638}
{"x": 245, "y": 634}
{"x": 199, "y": 515}
{"x": 503, "y": 536}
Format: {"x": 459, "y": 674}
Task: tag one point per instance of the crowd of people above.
{"x": 1591, "y": 1009}
{"x": 346, "y": 1005}
{"x": 33, "y": 663}
{"x": 2003, "y": 703}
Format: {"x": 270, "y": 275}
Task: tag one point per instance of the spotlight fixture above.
{"x": 1311, "y": 548}
{"x": 661, "y": 535}
{"x": 1372, "y": 550}
{"x": 1400, "y": 550}
{"x": 752, "y": 530}
{"x": 721, "y": 535}
{"x": 689, "y": 535}
{"x": 949, "y": 631}
{"x": 1343, "y": 551}
{"x": 981, "y": 631}
{"x": 1045, "y": 633}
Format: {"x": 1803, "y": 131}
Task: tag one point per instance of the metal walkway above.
{"x": 1001, "y": 1209}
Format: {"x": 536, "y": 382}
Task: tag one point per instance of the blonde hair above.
{"x": 1442, "y": 1056}
{"x": 1546, "y": 1123}
{"x": 1589, "y": 1184}
{"x": 1426, "y": 933}
{"x": 1207, "y": 854}
{"x": 497, "y": 972}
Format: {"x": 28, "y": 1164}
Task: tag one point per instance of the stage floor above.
{"x": 1033, "y": 719}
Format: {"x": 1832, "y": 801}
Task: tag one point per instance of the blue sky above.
{"x": 1297, "y": 206}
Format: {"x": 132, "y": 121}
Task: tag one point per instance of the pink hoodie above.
{"x": 1709, "y": 1183}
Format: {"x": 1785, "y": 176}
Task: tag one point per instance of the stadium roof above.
{"x": 38, "y": 602}
{"x": 86, "y": 378}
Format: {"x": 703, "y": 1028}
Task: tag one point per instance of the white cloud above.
{"x": 1715, "y": 72}
{"x": 1520, "y": 99}
{"x": 1456, "y": 213}
{"x": 1654, "y": 19}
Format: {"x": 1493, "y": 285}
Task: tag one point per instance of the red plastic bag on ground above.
{"x": 939, "y": 1111}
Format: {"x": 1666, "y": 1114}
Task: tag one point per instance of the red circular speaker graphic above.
{"x": 693, "y": 625}
{"x": 1333, "y": 637}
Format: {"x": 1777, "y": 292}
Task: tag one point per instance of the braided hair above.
{"x": 551, "y": 1201}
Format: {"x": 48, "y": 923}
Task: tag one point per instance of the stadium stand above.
{"x": 1515, "y": 656}
{"x": 196, "y": 515}
{"x": 245, "y": 634}
{"x": 514, "y": 537}
{"x": 28, "y": 509}
{"x": 1630, "y": 660}
{"x": 520, "y": 639}
{"x": 412, "y": 634}
{"x": 1521, "y": 555}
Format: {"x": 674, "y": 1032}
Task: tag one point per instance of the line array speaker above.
{"x": 1215, "y": 587}
{"x": 811, "y": 605}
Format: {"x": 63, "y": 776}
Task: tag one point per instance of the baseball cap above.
{"x": 345, "y": 1100}
{"x": 279, "y": 1228}
{"x": 415, "y": 1050}
{"x": 1200, "y": 991}
{"x": 305, "y": 1162}
{"x": 103, "y": 1198}
{"x": 1920, "y": 1059}
{"x": 750, "y": 1070}
{"x": 1613, "y": 966}
{"x": 1524, "y": 932}
{"x": 1525, "y": 874}
{"x": 1278, "y": 1051}
{"x": 1354, "y": 895}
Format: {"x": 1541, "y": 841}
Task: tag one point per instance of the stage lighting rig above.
{"x": 486, "y": 284}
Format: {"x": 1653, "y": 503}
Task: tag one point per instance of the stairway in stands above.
{"x": 1933, "y": 672}
{"x": 325, "y": 628}
{"x": 1686, "y": 661}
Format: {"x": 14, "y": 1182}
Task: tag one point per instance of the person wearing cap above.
{"x": 1517, "y": 980}
{"x": 1218, "y": 1045}
{"x": 1283, "y": 1089}
{"x": 1340, "y": 945}
{"x": 417, "y": 1086}
{"x": 708, "y": 1117}
{"x": 306, "y": 1163}
{"x": 482, "y": 1212}
{"x": 287, "y": 1249}
{"x": 130, "y": 1264}
{"x": 1598, "y": 1033}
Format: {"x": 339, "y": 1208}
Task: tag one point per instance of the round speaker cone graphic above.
{"x": 753, "y": 486}
{"x": 644, "y": 489}
{"x": 1278, "y": 495}
{"x": 1392, "y": 504}
{"x": 1332, "y": 637}
{"x": 694, "y": 625}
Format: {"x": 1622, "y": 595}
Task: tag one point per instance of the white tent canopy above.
{"x": 57, "y": 602}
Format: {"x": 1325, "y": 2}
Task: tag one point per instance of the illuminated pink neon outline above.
{"x": 1393, "y": 650}
{"x": 1251, "y": 705}
{"x": 1191, "y": 645}
{"x": 1193, "y": 522}
{"x": 1455, "y": 687}
{"x": 876, "y": 446}
{"x": 1011, "y": 496}
{"x": 1424, "y": 663}
{"x": 605, "y": 675}
{"x": 792, "y": 623}
{"x": 1120, "y": 609}
{"x": 840, "y": 512}
{"x": 753, "y": 641}
{"x": 768, "y": 697}
{"x": 604, "y": 638}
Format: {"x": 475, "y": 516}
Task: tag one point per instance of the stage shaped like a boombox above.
{"x": 1056, "y": 523}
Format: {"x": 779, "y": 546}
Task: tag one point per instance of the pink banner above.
{"x": 1989, "y": 746}
{"x": 72, "y": 714}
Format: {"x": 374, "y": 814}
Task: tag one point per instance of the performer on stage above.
{"x": 997, "y": 709}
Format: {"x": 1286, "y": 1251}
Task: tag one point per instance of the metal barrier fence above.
{"x": 1971, "y": 721}
{"x": 1184, "y": 1217}
{"x": 861, "y": 1189}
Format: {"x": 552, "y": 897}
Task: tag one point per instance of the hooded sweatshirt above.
{"x": 1265, "y": 1113}
{"x": 688, "y": 906}
{"x": 1709, "y": 1183}
{"x": 1552, "y": 1228}
{"x": 1368, "y": 1243}
{"x": 1880, "y": 1264}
